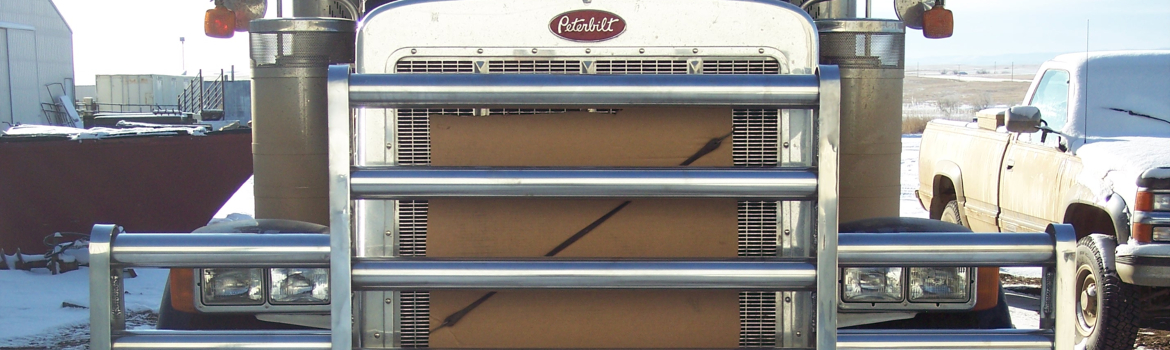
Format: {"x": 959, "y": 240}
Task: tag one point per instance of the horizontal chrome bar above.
{"x": 220, "y": 250}
{"x": 565, "y": 91}
{"x": 1017, "y": 339}
{"x": 945, "y": 248}
{"x": 431, "y": 182}
{"x": 582, "y": 274}
{"x": 187, "y": 340}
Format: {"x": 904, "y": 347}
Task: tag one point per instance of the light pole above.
{"x": 183, "y": 47}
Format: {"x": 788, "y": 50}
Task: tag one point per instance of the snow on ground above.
{"x": 31, "y": 311}
{"x": 35, "y": 304}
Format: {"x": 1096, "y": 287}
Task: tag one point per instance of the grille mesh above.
{"x": 755, "y": 137}
{"x": 754, "y": 144}
{"x": 435, "y": 67}
{"x": 752, "y": 66}
{"x": 535, "y": 67}
{"x": 642, "y": 67}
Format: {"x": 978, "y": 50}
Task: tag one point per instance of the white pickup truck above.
{"x": 1090, "y": 146}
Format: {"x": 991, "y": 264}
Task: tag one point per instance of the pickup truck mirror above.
{"x": 1023, "y": 119}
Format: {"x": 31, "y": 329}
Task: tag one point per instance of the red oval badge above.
{"x": 587, "y": 25}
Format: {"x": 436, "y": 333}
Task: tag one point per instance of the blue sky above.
{"x": 142, "y": 36}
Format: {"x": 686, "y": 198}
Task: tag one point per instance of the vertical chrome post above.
{"x": 102, "y": 285}
{"x": 341, "y": 321}
{"x": 828, "y": 133}
{"x": 1061, "y": 292}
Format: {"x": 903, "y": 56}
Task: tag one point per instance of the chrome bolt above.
{"x": 388, "y": 300}
{"x": 588, "y": 50}
{"x": 695, "y": 50}
{"x": 787, "y": 299}
{"x": 389, "y": 233}
{"x": 533, "y": 50}
{"x": 641, "y": 50}
{"x": 479, "y": 51}
{"x": 787, "y": 231}
{"x": 786, "y": 145}
{"x": 377, "y": 335}
{"x": 413, "y": 51}
{"x": 798, "y": 333}
{"x": 761, "y": 50}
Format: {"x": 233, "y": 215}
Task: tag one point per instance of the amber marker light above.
{"x": 938, "y": 22}
{"x": 219, "y": 22}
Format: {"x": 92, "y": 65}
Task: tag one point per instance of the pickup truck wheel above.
{"x": 1107, "y": 314}
{"x": 950, "y": 214}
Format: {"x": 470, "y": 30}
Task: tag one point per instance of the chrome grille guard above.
{"x": 112, "y": 251}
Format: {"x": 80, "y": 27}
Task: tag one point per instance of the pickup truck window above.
{"x": 1051, "y": 98}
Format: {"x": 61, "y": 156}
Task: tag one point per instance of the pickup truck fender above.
{"x": 949, "y": 170}
{"x": 1114, "y": 206}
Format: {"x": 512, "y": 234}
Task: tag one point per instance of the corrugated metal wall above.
{"x": 5, "y": 89}
{"x": 52, "y": 52}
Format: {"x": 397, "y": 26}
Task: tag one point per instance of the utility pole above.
{"x": 1013, "y": 71}
{"x": 183, "y": 46}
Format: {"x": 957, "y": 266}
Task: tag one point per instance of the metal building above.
{"x": 36, "y": 62}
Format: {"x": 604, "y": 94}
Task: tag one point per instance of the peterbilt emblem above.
{"x": 587, "y": 25}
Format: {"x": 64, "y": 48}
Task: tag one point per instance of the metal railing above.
{"x": 200, "y": 95}
{"x": 111, "y": 251}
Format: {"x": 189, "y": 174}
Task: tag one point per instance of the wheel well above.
{"x": 944, "y": 192}
{"x": 1088, "y": 219}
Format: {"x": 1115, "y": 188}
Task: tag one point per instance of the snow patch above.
{"x": 75, "y": 134}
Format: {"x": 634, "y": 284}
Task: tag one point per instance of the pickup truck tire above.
{"x": 950, "y": 214}
{"x": 1107, "y": 308}
{"x": 997, "y": 317}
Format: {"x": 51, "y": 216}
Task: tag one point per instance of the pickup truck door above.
{"x": 1029, "y": 190}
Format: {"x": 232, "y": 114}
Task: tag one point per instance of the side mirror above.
{"x": 1023, "y": 119}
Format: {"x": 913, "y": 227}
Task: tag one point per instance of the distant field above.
{"x": 926, "y": 98}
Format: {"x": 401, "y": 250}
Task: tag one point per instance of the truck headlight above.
{"x": 1161, "y": 202}
{"x": 939, "y": 284}
{"x": 299, "y": 286}
{"x": 233, "y": 286}
{"x": 872, "y": 284}
{"x": 1161, "y": 233}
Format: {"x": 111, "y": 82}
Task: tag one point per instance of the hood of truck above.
{"x": 1113, "y": 164}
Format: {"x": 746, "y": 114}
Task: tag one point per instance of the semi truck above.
{"x": 580, "y": 174}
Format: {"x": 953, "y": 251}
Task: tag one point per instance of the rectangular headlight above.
{"x": 1161, "y": 233}
{"x": 233, "y": 286}
{"x": 1162, "y": 202}
{"x": 872, "y": 284}
{"x": 939, "y": 284}
{"x": 299, "y": 286}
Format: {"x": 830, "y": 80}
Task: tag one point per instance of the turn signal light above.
{"x": 1143, "y": 233}
{"x": 938, "y": 22}
{"x": 219, "y": 22}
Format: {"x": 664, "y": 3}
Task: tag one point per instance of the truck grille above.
{"x": 754, "y": 144}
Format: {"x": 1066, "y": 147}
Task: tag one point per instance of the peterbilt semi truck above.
{"x": 579, "y": 174}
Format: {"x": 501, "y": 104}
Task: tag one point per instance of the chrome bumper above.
{"x": 1144, "y": 265}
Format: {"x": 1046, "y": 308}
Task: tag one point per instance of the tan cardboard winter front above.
{"x": 647, "y": 228}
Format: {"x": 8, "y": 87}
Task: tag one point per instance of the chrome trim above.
{"x": 828, "y": 131}
{"x": 563, "y": 91}
{"x": 340, "y": 206}
{"x": 302, "y": 24}
{"x": 958, "y": 249}
{"x": 186, "y": 340}
{"x": 1057, "y": 311}
{"x": 1016, "y": 339}
{"x": 102, "y": 322}
{"x": 429, "y": 274}
{"x": 1152, "y": 217}
{"x": 437, "y": 182}
{"x": 211, "y": 250}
